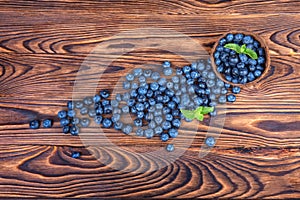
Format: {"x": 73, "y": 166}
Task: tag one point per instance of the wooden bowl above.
{"x": 263, "y": 45}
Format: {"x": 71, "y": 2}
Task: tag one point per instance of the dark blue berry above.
{"x": 166, "y": 125}
{"x": 210, "y": 141}
{"x": 149, "y": 133}
{"x": 62, "y": 114}
{"x": 248, "y": 39}
{"x": 170, "y": 147}
{"x": 222, "y": 42}
{"x": 175, "y": 112}
{"x": 66, "y": 129}
{"x": 250, "y": 77}
{"x": 173, "y": 133}
{"x": 64, "y": 121}
{"x": 140, "y": 114}
{"x": 257, "y": 73}
{"x": 96, "y": 98}
{"x": 47, "y": 123}
{"x": 71, "y": 113}
{"x": 236, "y": 89}
{"x": 74, "y": 130}
{"x": 99, "y": 111}
{"x": 252, "y": 68}
{"x": 78, "y": 104}
{"x": 104, "y": 94}
{"x": 229, "y": 37}
{"x": 243, "y": 72}
{"x": 34, "y": 124}
{"x": 75, "y": 121}
{"x": 75, "y": 154}
{"x": 107, "y": 109}
{"x": 164, "y": 137}
{"x": 261, "y": 60}
{"x": 231, "y": 98}
{"x": 129, "y": 77}
{"x": 88, "y": 101}
{"x": 243, "y": 58}
{"x": 176, "y": 123}
{"x": 118, "y": 125}
{"x": 138, "y": 122}
{"x": 85, "y": 122}
{"x": 166, "y": 64}
{"x": 84, "y": 110}
{"x": 127, "y": 129}
{"x": 70, "y": 105}
{"x": 107, "y": 123}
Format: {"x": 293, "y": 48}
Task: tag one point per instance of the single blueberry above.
{"x": 147, "y": 73}
{"x": 186, "y": 69}
{"x": 248, "y": 39}
{"x": 261, "y": 51}
{"x": 138, "y": 122}
{"x": 140, "y": 114}
{"x": 229, "y": 37}
{"x": 231, "y": 98}
{"x": 166, "y": 64}
{"x": 149, "y": 133}
{"x": 155, "y": 76}
{"x": 107, "y": 123}
{"x": 134, "y": 86}
{"x": 252, "y": 62}
{"x": 222, "y": 41}
{"x": 104, "y": 94}
{"x": 158, "y": 119}
{"x": 71, "y": 113}
{"x": 170, "y": 147}
{"x": 142, "y": 79}
{"x": 166, "y": 125}
{"x": 75, "y": 121}
{"x": 137, "y": 72}
{"x": 75, "y": 154}
{"x": 74, "y": 130}
{"x": 47, "y": 123}
{"x": 243, "y": 57}
{"x": 99, "y": 111}
{"x": 70, "y": 105}
{"x": 66, "y": 129}
{"x": 133, "y": 93}
{"x": 114, "y": 103}
{"x": 250, "y": 77}
{"x": 257, "y": 73}
{"x": 88, "y": 101}
{"x": 78, "y": 104}
{"x": 154, "y": 86}
{"x": 243, "y": 72}
{"x": 158, "y": 130}
{"x": 118, "y": 97}
{"x": 176, "y": 123}
{"x": 220, "y": 48}
{"x": 238, "y": 37}
{"x": 169, "y": 117}
{"x": 115, "y": 118}
{"x": 210, "y": 141}
{"x": 96, "y": 98}
{"x": 168, "y": 71}
{"x": 127, "y": 129}
{"x": 125, "y": 109}
{"x": 62, "y": 114}
{"x": 125, "y": 97}
{"x": 139, "y": 132}
{"x": 64, "y": 121}
{"x": 98, "y": 119}
{"x": 107, "y": 109}
{"x": 34, "y": 124}
{"x": 164, "y": 137}
{"x": 116, "y": 111}
{"x": 129, "y": 77}
{"x": 236, "y": 89}
{"x": 173, "y": 133}
{"x": 216, "y": 54}
{"x": 85, "y": 122}
{"x": 126, "y": 85}
{"x": 118, "y": 125}
{"x": 261, "y": 60}
{"x": 175, "y": 112}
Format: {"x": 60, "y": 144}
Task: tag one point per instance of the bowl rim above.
{"x": 263, "y": 45}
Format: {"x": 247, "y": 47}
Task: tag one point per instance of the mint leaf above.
{"x": 189, "y": 114}
{"x": 199, "y": 116}
{"x": 207, "y": 110}
{"x": 252, "y": 54}
{"x": 234, "y": 47}
{"x": 243, "y": 48}
{"x": 199, "y": 109}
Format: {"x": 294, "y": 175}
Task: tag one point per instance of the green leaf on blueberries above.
{"x": 198, "y": 113}
{"x": 189, "y": 114}
{"x": 243, "y": 49}
{"x": 207, "y": 110}
{"x": 252, "y": 54}
{"x": 233, "y": 46}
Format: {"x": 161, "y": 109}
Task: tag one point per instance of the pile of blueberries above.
{"x": 239, "y": 68}
{"x": 151, "y": 100}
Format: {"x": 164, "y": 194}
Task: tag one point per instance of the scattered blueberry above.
{"x": 210, "y": 141}
{"x": 47, "y": 123}
{"x": 34, "y": 124}
{"x": 170, "y": 147}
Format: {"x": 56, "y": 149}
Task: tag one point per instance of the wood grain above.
{"x": 43, "y": 45}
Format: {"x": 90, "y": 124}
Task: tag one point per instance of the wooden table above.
{"x": 42, "y": 46}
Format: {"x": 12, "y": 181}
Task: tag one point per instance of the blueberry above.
{"x": 250, "y": 46}
{"x": 243, "y": 79}
{"x": 158, "y": 130}
{"x": 252, "y": 68}
{"x": 248, "y": 39}
{"x": 166, "y": 99}
{"x": 216, "y": 54}
{"x": 235, "y": 80}
{"x": 149, "y": 116}
{"x": 64, "y": 121}
{"x": 159, "y": 98}
{"x": 172, "y": 105}
{"x": 240, "y": 65}
{"x": 170, "y": 92}
{"x": 70, "y": 105}
{"x": 169, "y": 117}
{"x": 178, "y": 71}
{"x": 137, "y": 72}
{"x": 155, "y": 76}
{"x": 175, "y": 112}
{"x": 243, "y": 72}
{"x": 261, "y": 51}
{"x": 170, "y": 147}
{"x": 170, "y": 85}
{"x": 154, "y": 86}
{"x": 222, "y": 41}
{"x": 117, "y": 111}
{"x": 234, "y": 60}
{"x": 168, "y": 71}
{"x": 252, "y": 62}
{"x": 186, "y": 69}
{"x": 227, "y": 85}
{"x": 34, "y": 124}
{"x": 107, "y": 123}
{"x": 229, "y": 37}
{"x": 115, "y": 118}
{"x": 149, "y": 133}
{"x": 166, "y": 64}
{"x": 125, "y": 97}
{"x": 127, "y": 129}
{"x": 162, "y": 88}
{"x": 238, "y": 37}
{"x": 261, "y": 60}
{"x": 118, "y": 125}
{"x": 47, "y": 123}
{"x": 75, "y": 121}
{"x": 104, "y": 94}
{"x": 166, "y": 125}
{"x": 139, "y": 132}
{"x": 88, "y": 101}
{"x": 140, "y": 106}
{"x": 222, "y": 99}
{"x": 250, "y": 77}
{"x": 66, "y": 129}
{"x": 236, "y": 89}
{"x": 96, "y": 98}
{"x": 98, "y": 119}
{"x": 114, "y": 103}
{"x": 74, "y": 130}
{"x": 147, "y": 73}
{"x": 220, "y": 49}
{"x": 133, "y": 93}
{"x": 71, "y": 113}
{"x": 166, "y": 110}
{"x": 126, "y": 85}
{"x": 140, "y": 114}
{"x": 176, "y": 123}
{"x": 164, "y": 137}
{"x": 75, "y": 154}
{"x": 125, "y": 109}
{"x": 231, "y": 98}
{"x": 175, "y": 79}
{"x": 173, "y": 133}
{"x": 134, "y": 85}
{"x": 78, "y": 104}
{"x": 243, "y": 58}
{"x": 118, "y": 97}
{"x": 210, "y": 141}
{"x": 257, "y": 73}
{"x": 129, "y": 77}
{"x": 195, "y": 74}
{"x": 259, "y": 67}
{"x": 99, "y": 111}
{"x": 85, "y": 122}
{"x": 182, "y": 80}
{"x": 152, "y": 101}
{"x": 138, "y": 122}
{"x": 188, "y": 76}
{"x": 142, "y": 91}
{"x": 157, "y": 113}
{"x": 158, "y": 119}
{"x": 62, "y": 114}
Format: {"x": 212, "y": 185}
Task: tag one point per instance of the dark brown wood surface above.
{"x": 42, "y": 46}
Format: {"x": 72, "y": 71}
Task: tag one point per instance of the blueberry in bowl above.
{"x": 240, "y": 57}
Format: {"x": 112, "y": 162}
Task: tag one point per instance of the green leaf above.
{"x": 199, "y": 116}
{"x": 243, "y": 48}
{"x": 234, "y": 47}
{"x": 189, "y": 114}
{"x": 251, "y": 53}
{"x": 207, "y": 110}
{"x": 199, "y": 109}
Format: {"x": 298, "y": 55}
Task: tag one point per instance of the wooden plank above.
{"x": 49, "y": 171}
